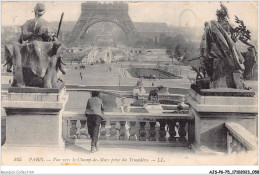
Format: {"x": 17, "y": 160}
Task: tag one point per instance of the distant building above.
{"x": 155, "y": 55}
{"x": 153, "y": 30}
{"x": 148, "y": 27}
{"x": 148, "y": 30}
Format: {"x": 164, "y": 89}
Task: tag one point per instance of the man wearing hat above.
{"x": 36, "y": 29}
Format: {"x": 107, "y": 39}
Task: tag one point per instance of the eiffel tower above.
{"x": 94, "y": 12}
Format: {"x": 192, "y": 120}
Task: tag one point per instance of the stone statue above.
{"x": 37, "y": 29}
{"x": 222, "y": 63}
{"x": 31, "y": 69}
{"x": 35, "y": 60}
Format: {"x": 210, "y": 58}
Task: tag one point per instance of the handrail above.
{"x": 118, "y": 93}
{"x": 242, "y": 135}
{"x": 111, "y": 92}
{"x": 69, "y": 86}
{"x": 119, "y": 116}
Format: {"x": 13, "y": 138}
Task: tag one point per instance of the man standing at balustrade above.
{"x": 94, "y": 113}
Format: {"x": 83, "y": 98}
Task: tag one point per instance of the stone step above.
{"x": 130, "y": 143}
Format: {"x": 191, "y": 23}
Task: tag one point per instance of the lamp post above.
{"x": 180, "y": 67}
{"x": 119, "y": 80}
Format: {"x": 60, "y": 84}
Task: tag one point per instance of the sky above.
{"x": 16, "y": 13}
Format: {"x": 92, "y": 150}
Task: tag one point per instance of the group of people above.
{"x": 139, "y": 92}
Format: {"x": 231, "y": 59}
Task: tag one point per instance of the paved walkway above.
{"x": 79, "y": 154}
{"x": 99, "y": 75}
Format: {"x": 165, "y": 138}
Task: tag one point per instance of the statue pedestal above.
{"x": 211, "y": 108}
{"x": 34, "y": 117}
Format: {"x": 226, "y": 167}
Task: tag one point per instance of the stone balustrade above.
{"x": 172, "y": 128}
{"x": 221, "y": 111}
{"x": 239, "y": 139}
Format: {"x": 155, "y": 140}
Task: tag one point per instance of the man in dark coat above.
{"x": 94, "y": 113}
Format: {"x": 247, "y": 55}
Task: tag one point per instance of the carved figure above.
{"x": 36, "y": 29}
{"x": 35, "y": 61}
{"x": 31, "y": 69}
{"x": 222, "y": 62}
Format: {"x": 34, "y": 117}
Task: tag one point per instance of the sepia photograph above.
{"x": 129, "y": 83}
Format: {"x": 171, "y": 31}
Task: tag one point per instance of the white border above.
{"x": 127, "y": 169}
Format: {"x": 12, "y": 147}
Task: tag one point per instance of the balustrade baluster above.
{"x": 113, "y": 130}
{"x": 191, "y": 133}
{"x": 162, "y": 131}
{"x": 233, "y": 145}
{"x": 239, "y": 148}
{"x": 103, "y": 131}
{"x": 132, "y": 131}
{"x": 229, "y": 140}
{"x": 83, "y": 131}
{"x": 122, "y": 131}
{"x": 236, "y": 146}
{"x": 172, "y": 132}
{"x": 182, "y": 132}
{"x": 65, "y": 129}
{"x": 152, "y": 132}
{"x": 244, "y": 148}
{"x": 142, "y": 132}
{"x": 73, "y": 129}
